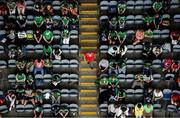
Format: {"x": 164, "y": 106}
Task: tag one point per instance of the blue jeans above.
{"x": 38, "y": 70}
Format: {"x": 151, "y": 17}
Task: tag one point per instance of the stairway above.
{"x": 88, "y": 24}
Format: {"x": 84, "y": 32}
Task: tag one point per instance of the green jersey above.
{"x": 21, "y": 77}
{"x": 121, "y": 8}
{"x": 47, "y": 50}
{"x": 148, "y": 33}
{"x": 148, "y": 109}
{"x": 104, "y": 81}
{"x": 113, "y": 80}
{"x": 148, "y": 19}
{"x": 38, "y": 109}
{"x": 48, "y": 35}
{"x": 65, "y": 20}
{"x": 157, "y": 6}
{"x": 38, "y": 20}
{"x": 122, "y": 35}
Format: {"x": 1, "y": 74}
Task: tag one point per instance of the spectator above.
{"x": 138, "y": 81}
{"x": 111, "y": 109}
{"x": 113, "y": 23}
{"x": 113, "y": 67}
{"x": 175, "y": 97}
{"x": 29, "y": 66}
{"x": 157, "y": 21}
{"x": 38, "y": 7}
{"x": 122, "y": 50}
{"x": 48, "y": 66}
{"x": 89, "y": 58}
{"x": 157, "y": 95}
{"x": 113, "y": 51}
{"x": 121, "y": 7}
{"x": 122, "y": 112}
{"x": 65, "y": 37}
{"x": 139, "y": 36}
{"x": 147, "y": 80}
{"x": 121, "y": 36}
{"x": 113, "y": 82}
{"x": 103, "y": 81}
{"x": 48, "y": 36}
{"x": 64, "y": 9}
{"x": 38, "y": 66}
{"x": 12, "y": 7}
{"x": 175, "y": 37}
{"x": 148, "y": 20}
{"x": 47, "y": 51}
{"x": 103, "y": 64}
{"x": 57, "y": 53}
{"x": 48, "y": 9}
{"x": 73, "y": 9}
{"x": 21, "y": 6}
{"x": 65, "y": 22}
{"x": 30, "y": 82}
{"x": 11, "y": 98}
{"x": 157, "y": 6}
{"x": 56, "y": 79}
{"x": 39, "y": 21}
{"x": 20, "y": 79}
{"x": 29, "y": 96}
{"x": 157, "y": 50}
{"x": 38, "y": 97}
{"x": 3, "y": 9}
{"x": 38, "y": 36}
{"x": 21, "y": 64}
{"x": 112, "y": 37}
{"x": 120, "y": 96}
{"x": 21, "y": 21}
{"x": 148, "y": 110}
{"x": 139, "y": 109}
{"x": 49, "y": 22}
{"x": 56, "y": 97}
{"x": 20, "y": 95}
{"x": 38, "y": 111}
{"x": 122, "y": 67}
{"x": 167, "y": 64}
{"x": 11, "y": 35}
{"x": 64, "y": 111}
{"x": 147, "y": 68}
{"x": 121, "y": 21}
{"x": 12, "y": 53}
{"x": 175, "y": 66}
{"x": 148, "y": 95}
{"x": 55, "y": 110}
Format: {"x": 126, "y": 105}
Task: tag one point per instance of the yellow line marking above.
{"x": 88, "y": 76}
{"x": 89, "y": 26}
{"x": 88, "y": 105}
{"x": 88, "y": 47}
{"x": 88, "y": 91}
{"x": 88, "y": 40}
{"x": 87, "y": 69}
{"x": 89, "y": 11}
{"x": 88, "y": 98}
{"x": 87, "y": 83}
{"x": 88, "y": 113}
{"x": 88, "y": 18}
{"x": 89, "y": 33}
{"x": 88, "y": 4}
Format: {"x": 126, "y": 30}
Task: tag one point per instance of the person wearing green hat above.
{"x": 56, "y": 96}
{"x": 12, "y": 7}
{"x": 20, "y": 79}
{"x": 121, "y": 37}
{"x": 39, "y": 21}
{"x": 121, "y": 21}
{"x": 38, "y": 111}
{"x": 121, "y": 7}
{"x": 113, "y": 23}
{"x": 157, "y": 6}
{"x": 65, "y": 22}
{"x": 56, "y": 79}
{"x": 48, "y": 36}
{"x": 65, "y": 36}
{"x": 47, "y": 51}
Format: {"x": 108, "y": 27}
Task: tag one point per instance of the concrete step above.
{"x": 89, "y": 22}
{"x": 89, "y": 7}
{"x": 89, "y": 16}
{"x": 88, "y": 33}
{"x": 88, "y": 87}
{"x": 89, "y": 29}
{"x": 90, "y": 11}
{"x": 89, "y": 48}
{"x": 87, "y": 83}
{"x": 89, "y": 92}
{"x": 89, "y": 26}
{"x": 87, "y": 65}
{"x": 90, "y": 36}
{"x": 88, "y": 1}
{"x": 88, "y": 4}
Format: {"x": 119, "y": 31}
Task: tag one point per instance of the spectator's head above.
{"x": 139, "y": 105}
{"x": 49, "y": 7}
{"x": 123, "y": 108}
{"x": 46, "y": 46}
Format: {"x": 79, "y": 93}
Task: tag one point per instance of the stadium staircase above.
{"x": 88, "y": 95}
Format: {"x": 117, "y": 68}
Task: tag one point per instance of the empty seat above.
{"x": 104, "y": 48}
{"x": 174, "y": 4}
{"x": 138, "y": 19}
{"x": 56, "y": 64}
{"x": 65, "y": 78}
{"x": 103, "y": 20}
{"x": 112, "y": 6}
{"x": 47, "y": 78}
{"x": 139, "y": 5}
{"x": 47, "y": 107}
{"x": 167, "y": 94}
{"x": 11, "y": 63}
{"x": 104, "y": 5}
{"x": 147, "y": 4}
{"x": 65, "y": 49}
{"x": 74, "y": 34}
{"x": 165, "y": 33}
{"x": 3, "y": 64}
{"x": 156, "y": 63}
{"x": 74, "y": 63}
{"x": 20, "y": 108}
{"x": 4, "y": 109}
{"x": 130, "y": 20}
{"x": 176, "y": 18}
{"x": 74, "y": 49}
{"x": 29, "y": 108}
{"x": 56, "y": 4}
{"x": 130, "y": 5}
{"x": 65, "y": 63}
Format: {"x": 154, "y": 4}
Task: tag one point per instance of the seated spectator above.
{"x": 89, "y": 58}
{"x": 38, "y": 97}
{"x": 122, "y": 50}
{"x": 11, "y": 35}
{"x": 47, "y": 51}
{"x": 147, "y": 68}
{"x": 22, "y": 35}
{"x": 147, "y": 49}
{"x": 30, "y": 82}
{"x": 113, "y": 82}
{"x": 38, "y": 36}
{"x": 138, "y": 111}
{"x": 21, "y": 21}
{"x": 138, "y": 81}
{"x": 21, "y": 6}
{"x": 122, "y": 67}
{"x": 65, "y": 22}
{"x": 56, "y": 97}
{"x": 148, "y": 111}
{"x": 175, "y": 66}
{"x": 175, "y": 37}
{"x": 148, "y": 95}
{"x": 175, "y": 98}
{"x": 57, "y": 53}
{"x": 139, "y": 37}
{"x": 12, "y": 7}
{"x": 55, "y": 110}
{"x": 20, "y": 79}
{"x": 2, "y": 99}
{"x": 120, "y": 96}
{"x": 64, "y": 9}
{"x": 121, "y": 37}
{"x": 157, "y": 21}
{"x": 48, "y": 66}
{"x": 166, "y": 48}
{"x": 167, "y": 64}
{"x": 103, "y": 37}
{"x": 111, "y": 109}
{"x": 11, "y": 97}
{"x": 29, "y": 96}
{"x": 121, "y": 21}
{"x": 49, "y": 22}
{"x": 73, "y": 9}
{"x": 21, "y": 64}
{"x": 157, "y": 50}
{"x": 122, "y": 112}
{"x": 103, "y": 64}
{"x": 121, "y": 7}
{"x": 38, "y": 7}
{"x": 166, "y": 20}
{"x": 113, "y": 67}
{"x": 64, "y": 111}
{"x": 65, "y": 37}
{"x": 38, "y": 111}
{"x": 157, "y": 6}
{"x": 74, "y": 24}
{"x": 38, "y": 66}
{"x": 56, "y": 79}
{"x": 29, "y": 66}
{"x": 113, "y": 51}
{"x": 112, "y": 37}
{"x": 104, "y": 81}
{"x": 48, "y": 36}
{"x": 113, "y": 23}
{"x": 20, "y": 95}
{"x": 148, "y": 33}
{"x": 178, "y": 81}
{"x": 147, "y": 80}
{"x": 157, "y": 95}
{"x": 148, "y": 20}
{"x": 3, "y": 9}
{"x": 39, "y": 21}
{"x": 12, "y": 53}
{"x": 48, "y": 9}
{"x": 20, "y": 52}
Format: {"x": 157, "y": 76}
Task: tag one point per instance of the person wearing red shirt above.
{"x": 167, "y": 64}
{"x": 175, "y": 66}
{"x": 38, "y": 66}
{"x": 89, "y": 58}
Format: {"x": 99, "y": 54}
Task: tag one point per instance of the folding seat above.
{"x": 3, "y": 36}
{"x": 130, "y": 51}
{"x": 73, "y": 108}
{"x": 73, "y": 78}
{"x": 1, "y": 92}
{"x": 147, "y": 4}
{"x": 176, "y": 18}
{"x": 12, "y": 63}
{"x": 167, "y": 94}
{"x": 176, "y": 51}
{"x": 73, "y": 93}
{"x": 2, "y": 52}
{"x": 139, "y": 20}
{"x": 56, "y": 5}
{"x": 47, "y": 78}
{"x": 74, "y": 63}
{"x": 56, "y": 64}
{"x": 104, "y": 49}
{"x": 3, "y": 64}
{"x": 74, "y": 49}
{"x": 103, "y": 108}
{"x": 169, "y": 80}
{"x": 47, "y": 107}
{"x": 130, "y": 96}
{"x": 122, "y": 79}
{"x": 38, "y": 50}
{"x": 171, "y": 110}
{"x": 29, "y": 51}
{"x": 104, "y": 21}
{"x": 158, "y": 111}
{"x": 130, "y": 20}
{"x": 65, "y": 63}
{"x": 12, "y": 78}
{"x": 139, "y": 5}
{"x": 112, "y": 6}
{"x": 65, "y": 49}
{"x": 165, "y": 33}
{"x": 138, "y": 50}
{"x": 156, "y": 79}
{"x": 156, "y": 34}
{"x": 130, "y": 65}
{"x": 139, "y": 95}
{"x": 20, "y": 108}
{"x": 1, "y": 21}
{"x": 131, "y": 109}
{"x": 130, "y": 5}
{"x": 56, "y": 34}
{"x": 138, "y": 64}
{"x": 29, "y": 108}
{"x": 56, "y": 47}
{"x": 29, "y": 5}
{"x": 174, "y": 4}
{"x": 74, "y": 34}
{"x": 65, "y": 78}
{"x": 156, "y": 63}
{"x": 65, "y": 95}
{"x": 4, "y": 109}
{"x": 104, "y": 5}
{"x": 30, "y": 20}
{"x": 39, "y": 80}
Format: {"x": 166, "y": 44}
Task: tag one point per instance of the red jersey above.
{"x": 167, "y": 63}
{"x": 175, "y": 66}
{"x": 89, "y": 56}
